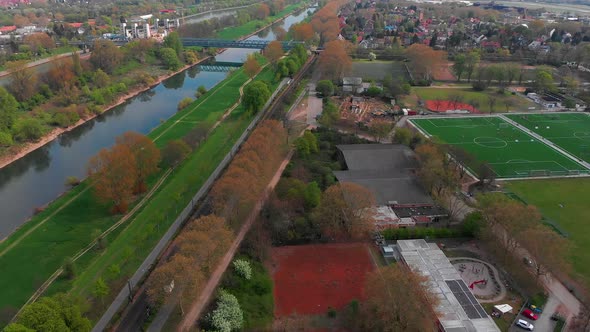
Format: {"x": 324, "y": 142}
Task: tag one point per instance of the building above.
{"x": 458, "y": 310}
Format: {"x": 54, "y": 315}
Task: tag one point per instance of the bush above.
{"x": 479, "y": 86}
{"x": 227, "y": 315}
{"x": 331, "y": 312}
{"x": 393, "y": 234}
{"x": 5, "y": 139}
{"x": 69, "y": 269}
{"x": 243, "y": 269}
{"x": 175, "y": 152}
{"x": 28, "y": 129}
{"x": 72, "y": 181}
{"x": 184, "y": 103}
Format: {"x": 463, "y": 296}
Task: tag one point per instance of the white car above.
{"x": 524, "y": 324}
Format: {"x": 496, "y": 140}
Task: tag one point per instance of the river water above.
{"x": 39, "y": 177}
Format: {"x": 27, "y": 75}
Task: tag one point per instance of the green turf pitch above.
{"x": 569, "y": 131}
{"x": 508, "y": 150}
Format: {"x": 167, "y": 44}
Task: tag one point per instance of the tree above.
{"x": 39, "y": 43}
{"x": 471, "y": 62}
{"x": 255, "y": 96}
{"x": 227, "y": 316}
{"x": 273, "y": 52}
{"x": 334, "y": 61}
{"x": 425, "y": 60}
{"x": 262, "y": 11}
{"x": 175, "y": 152}
{"x": 459, "y": 65}
{"x": 146, "y": 154}
{"x": 169, "y": 58}
{"x": 57, "y": 313}
{"x": 279, "y": 32}
{"x": 101, "y": 289}
{"x": 380, "y": 129}
{"x": 344, "y": 211}
{"x": 114, "y": 175}
{"x": 16, "y": 327}
{"x": 397, "y": 299}
{"x": 243, "y": 268}
{"x": 28, "y": 129}
{"x": 8, "y": 110}
{"x": 105, "y": 55}
{"x": 402, "y": 136}
{"x": 547, "y": 248}
{"x": 325, "y": 87}
{"x": 101, "y": 79}
{"x": 435, "y": 169}
{"x": 173, "y": 41}
{"x": 23, "y": 80}
{"x": 60, "y": 74}
{"x": 302, "y": 31}
{"x": 251, "y": 66}
{"x": 544, "y": 81}
{"x": 312, "y": 195}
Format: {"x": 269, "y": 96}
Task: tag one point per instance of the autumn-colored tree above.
{"x": 105, "y": 55}
{"x": 251, "y": 66}
{"x": 436, "y": 171}
{"x": 345, "y": 211}
{"x": 279, "y": 32}
{"x": 274, "y": 51}
{"x": 302, "y": 31}
{"x": 425, "y": 60}
{"x": 334, "y": 62}
{"x": 262, "y": 11}
{"x": 146, "y": 154}
{"x": 398, "y": 300}
{"x": 548, "y": 249}
{"x": 114, "y": 175}
{"x": 175, "y": 152}
{"x": 246, "y": 177}
{"x": 60, "y": 74}
{"x": 380, "y": 129}
{"x": 39, "y": 42}
{"x": 325, "y": 21}
{"x": 23, "y": 80}
{"x": 276, "y": 6}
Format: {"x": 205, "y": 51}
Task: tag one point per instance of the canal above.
{"x": 38, "y": 178}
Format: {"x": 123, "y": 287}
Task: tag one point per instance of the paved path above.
{"x": 197, "y": 308}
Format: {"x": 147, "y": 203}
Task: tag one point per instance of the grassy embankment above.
{"x": 29, "y": 258}
{"x": 549, "y": 196}
{"x": 234, "y": 33}
{"x": 515, "y": 103}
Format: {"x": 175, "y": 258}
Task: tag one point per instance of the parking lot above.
{"x": 544, "y": 323}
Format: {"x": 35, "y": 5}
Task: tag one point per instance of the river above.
{"x": 39, "y": 177}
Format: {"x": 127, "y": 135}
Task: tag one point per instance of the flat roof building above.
{"x": 458, "y": 310}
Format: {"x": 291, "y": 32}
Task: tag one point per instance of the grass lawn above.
{"x": 28, "y": 263}
{"x": 503, "y": 102}
{"x": 569, "y": 131}
{"x": 508, "y": 150}
{"x": 234, "y": 33}
{"x": 573, "y": 194}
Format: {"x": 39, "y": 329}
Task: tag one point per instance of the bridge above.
{"x": 220, "y": 43}
{"x": 219, "y": 66}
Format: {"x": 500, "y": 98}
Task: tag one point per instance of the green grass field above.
{"x": 377, "y": 70}
{"x": 31, "y": 261}
{"x": 573, "y": 195}
{"x": 509, "y": 151}
{"x": 569, "y": 131}
{"x": 503, "y": 102}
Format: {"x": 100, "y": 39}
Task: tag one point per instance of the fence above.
{"x": 145, "y": 267}
{"x": 547, "y": 221}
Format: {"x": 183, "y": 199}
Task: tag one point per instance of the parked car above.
{"x": 529, "y": 314}
{"x": 524, "y": 324}
{"x": 535, "y": 309}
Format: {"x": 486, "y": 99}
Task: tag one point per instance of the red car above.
{"x": 529, "y": 314}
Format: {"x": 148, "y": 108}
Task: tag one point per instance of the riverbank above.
{"x": 27, "y": 148}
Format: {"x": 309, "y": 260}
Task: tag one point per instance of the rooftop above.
{"x": 386, "y": 170}
{"x": 458, "y": 310}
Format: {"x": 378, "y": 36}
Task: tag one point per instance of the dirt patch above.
{"x": 311, "y": 279}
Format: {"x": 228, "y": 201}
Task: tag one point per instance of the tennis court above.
{"x": 569, "y": 131}
{"x": 509, "y": 151}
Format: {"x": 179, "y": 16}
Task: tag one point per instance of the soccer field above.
{"x": 509, "y": 151}
{"x": 569, "y": 131}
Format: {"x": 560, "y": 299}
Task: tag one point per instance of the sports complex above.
{"x": 517, "y": 145}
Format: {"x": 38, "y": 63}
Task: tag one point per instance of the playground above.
{"x": 509, "y": 151}
{"x": 569, "y": 131}
{"x": 482, "y": 279}
{"x": 311, "y": 279}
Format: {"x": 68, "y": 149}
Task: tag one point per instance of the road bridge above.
{"x": 221, "y": 43}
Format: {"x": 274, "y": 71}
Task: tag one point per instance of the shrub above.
{"x": 28, "y": 129}
{"x": 243, "y": 268}
{"x": 184, "y": 103}
{"x": 331, "y": 312}
{"x": 5, "y": 139}
{"x": 227, "y": 315}
{"x": 69, "y": 269}
{"x": 72, "y": 181}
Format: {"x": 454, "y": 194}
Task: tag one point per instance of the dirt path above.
{"x": 196, "y": 309}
